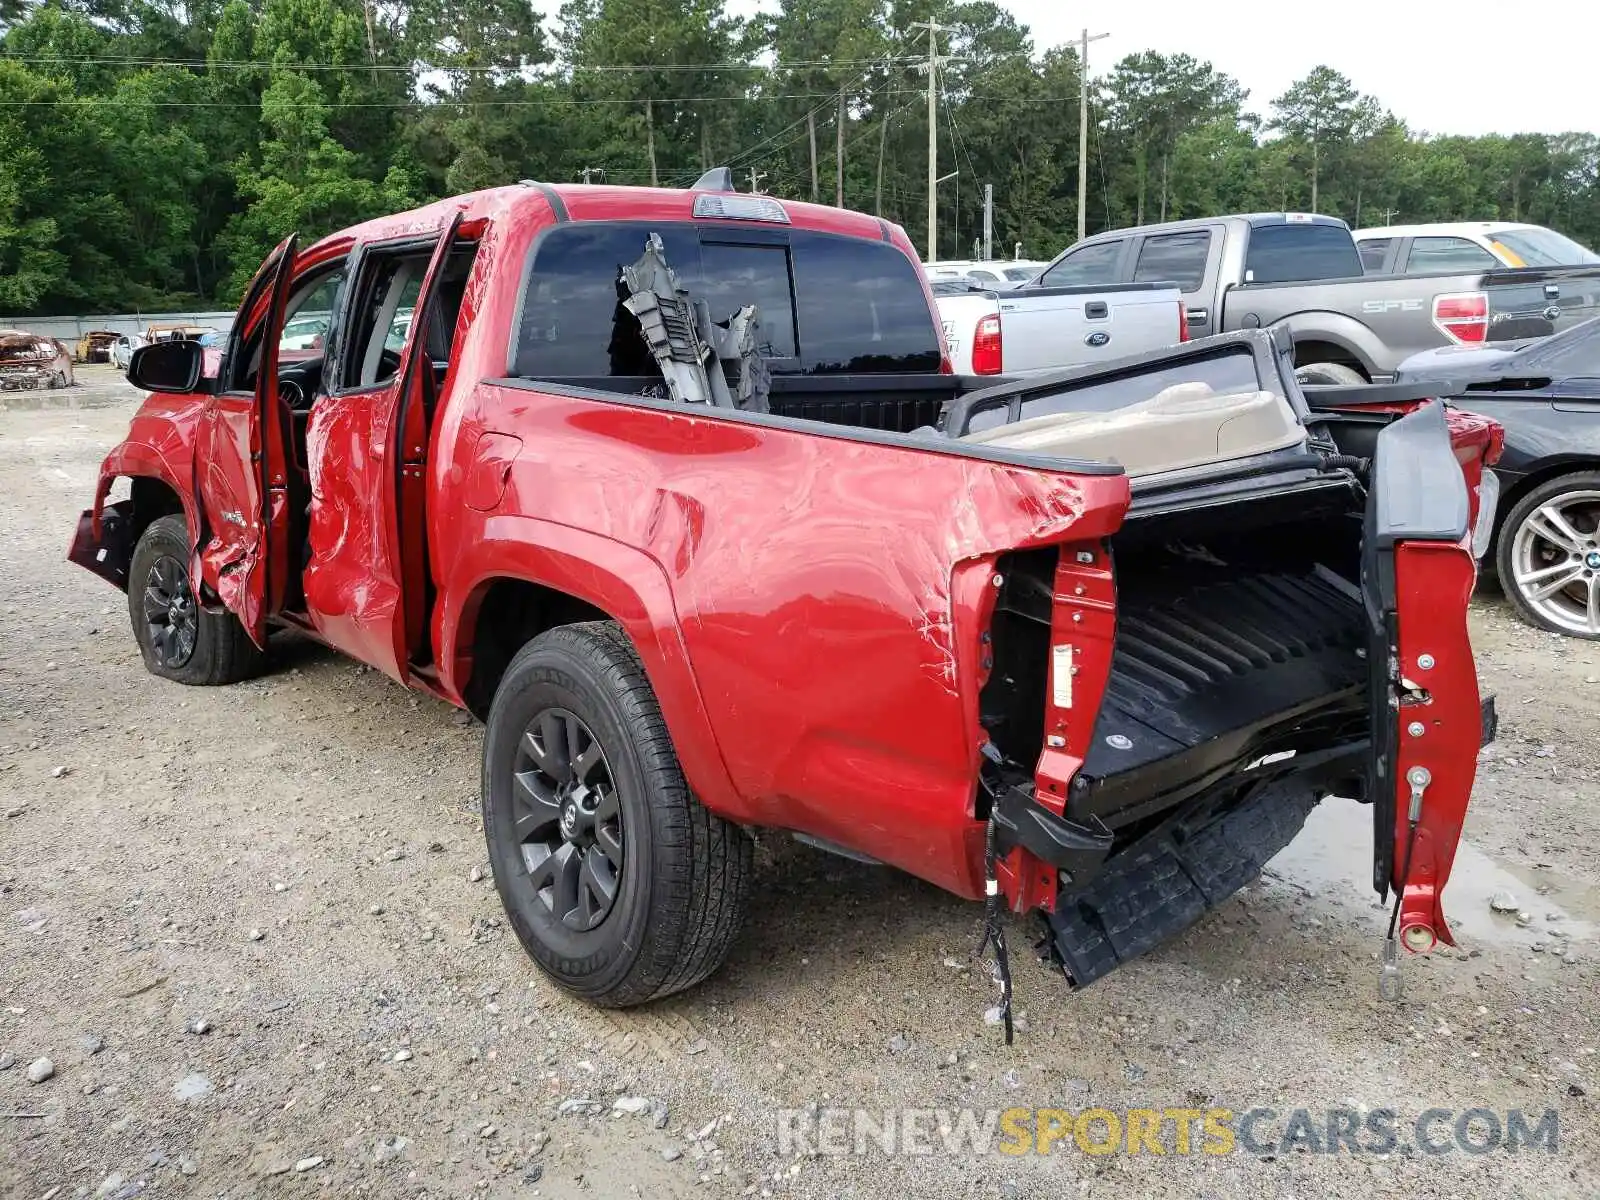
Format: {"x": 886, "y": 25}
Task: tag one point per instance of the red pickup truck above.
{"x": 675, "y": 491}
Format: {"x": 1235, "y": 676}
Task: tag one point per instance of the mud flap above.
{"x": 108, "y": 550}
{"x": 1428, "y": 720}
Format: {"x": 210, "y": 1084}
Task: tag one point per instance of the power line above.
{"x": 556, "y": 70}
{"x": 748, "y": 154}
{"x": 745, "y": 157}
{"x": 443, "y": 103}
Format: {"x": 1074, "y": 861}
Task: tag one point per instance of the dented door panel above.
{"x": 366, "y": 452}
{"x": 352, "y": 595}
{"x": 227, "y": 446}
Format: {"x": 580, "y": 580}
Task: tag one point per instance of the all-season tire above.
{"x": 679, "y": 895}
{"x": 1520, "y": 551}
{"x": 1329, "y": 374}
{"x": 180, "y": 640}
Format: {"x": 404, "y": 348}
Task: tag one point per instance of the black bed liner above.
{"x": 1215, "y": 666}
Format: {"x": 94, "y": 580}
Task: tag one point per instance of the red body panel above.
{"x": 1433, "y": 583}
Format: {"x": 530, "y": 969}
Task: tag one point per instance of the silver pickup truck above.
{"x": 1027, "y": 330}
{"x": 1303, "y": 272}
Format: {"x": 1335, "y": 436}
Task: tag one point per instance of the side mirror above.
{"x": 167, "y": 366}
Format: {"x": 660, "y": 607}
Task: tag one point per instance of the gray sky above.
{"x": 1431, "y": 63}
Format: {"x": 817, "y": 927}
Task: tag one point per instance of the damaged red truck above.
{"x": 1092, "y": 644}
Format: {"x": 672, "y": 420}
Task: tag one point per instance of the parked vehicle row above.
{"x": 1304, "y": 273}
{"x": 678, "y": 492}
{"x": 996, "y": 275}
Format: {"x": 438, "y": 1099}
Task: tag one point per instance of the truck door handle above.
{"x": 1199, "y": 316}
{"x": 1096, "y": 310}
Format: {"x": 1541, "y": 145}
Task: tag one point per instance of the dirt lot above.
{"x": 293, "y": 867}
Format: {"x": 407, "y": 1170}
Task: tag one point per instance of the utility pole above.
{"x": 588, "y": 171}
{"x": 755, "y": 181}
{"x": 988, "y": 222}
{"x": 1389, "y": 215}
{"x": 933, "y": 28}
{"x": 1083, "y": 124}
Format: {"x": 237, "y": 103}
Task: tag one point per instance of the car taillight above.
{"x": 1462, "y": 316}
{"x": 1183, "y": 322}
{"x": 986, "y": 346}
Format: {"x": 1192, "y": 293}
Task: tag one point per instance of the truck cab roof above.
{"x": 1443, "y": 229}
{"x": 1252, "y": 220}
{"x": 564, "y": 202}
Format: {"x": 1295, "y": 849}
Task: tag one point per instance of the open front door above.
{"x": 241, "y": 543}
{"x": 419, "y": 392}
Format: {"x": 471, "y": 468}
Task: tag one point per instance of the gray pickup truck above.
{"x": 1303, "y": 272}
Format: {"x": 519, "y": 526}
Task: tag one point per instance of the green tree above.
{"x": 1156, "y": 100}
{"x": 637, "y": 60}
{"x": 1318, "y": 112}
{"x": 305, "y": 181}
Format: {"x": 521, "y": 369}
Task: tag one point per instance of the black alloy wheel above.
{"x": 171, "y": 618}
{"x": 568, "y": 819}
{"x": 620, "y": 885}
{"x": 178, "y": 639}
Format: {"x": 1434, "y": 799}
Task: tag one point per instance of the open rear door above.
{"x": 419, "y": 392}
{"x": 1428, "y": 720}
{"x": 240, "y": 482}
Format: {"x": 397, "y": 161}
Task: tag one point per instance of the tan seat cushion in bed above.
{"x": 1185, "y": 425}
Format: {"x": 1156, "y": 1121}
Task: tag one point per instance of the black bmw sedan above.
{"x": 1546, "y": 392}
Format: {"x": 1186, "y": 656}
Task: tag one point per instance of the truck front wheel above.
{"x": 619, "y": 883}
{"x": 179, "y": 639}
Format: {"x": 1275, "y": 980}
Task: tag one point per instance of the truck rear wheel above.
{"x": 620, "y": 885}
{"x": 180, "y": 640}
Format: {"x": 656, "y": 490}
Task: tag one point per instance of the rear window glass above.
{"x": 1441, "y": 254}
{"x": 1538, "y": 247}
{"x": 1178, "y": 258}
{"x": 1573, "y": 351}
{"x": 1087, "y": 265}
{"x": 1230, "y": 372}
{"x": 1291, "y": 253}
{"x": 1373, "y": 252}
{"x": 827, "y": 304}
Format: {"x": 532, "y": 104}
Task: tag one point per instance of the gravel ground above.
{"x": 250, "y": 930}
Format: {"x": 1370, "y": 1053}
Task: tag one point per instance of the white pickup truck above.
{"x": 1044, "y": 328}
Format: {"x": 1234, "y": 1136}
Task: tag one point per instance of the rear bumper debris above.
{"x": 1160, "y": 886}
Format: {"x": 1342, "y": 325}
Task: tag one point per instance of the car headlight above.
{"x": 1488, "y": 500}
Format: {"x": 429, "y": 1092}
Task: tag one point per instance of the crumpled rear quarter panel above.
{"x": 829, "y": 593}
